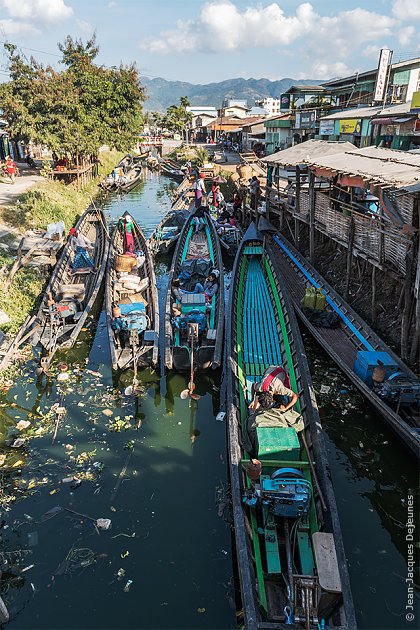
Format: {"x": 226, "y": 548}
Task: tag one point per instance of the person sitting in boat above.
{"x": 119, "y": 326}
{"x": 224, "y": 216}
{"x": 80, "y": 244}
{"x": 209, "y": 288}
{"x": 198, "y": 217}
{"x": 275, "y": 383}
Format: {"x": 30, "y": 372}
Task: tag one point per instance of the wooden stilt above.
{"x": 373, "y": 295}
{"x": 415, "y": 345}
{"x": 349, "y": 258}
{"x": 312, "y": 217}
{"x": 297, "y": 206}
{"x": 405, "y": 324}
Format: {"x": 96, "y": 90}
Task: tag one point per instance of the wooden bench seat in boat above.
{"x": 75, "y": 291}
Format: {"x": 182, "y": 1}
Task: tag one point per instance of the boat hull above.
{"x": 262, "y": 329}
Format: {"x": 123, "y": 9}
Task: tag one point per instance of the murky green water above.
{"x": 163, "y": 495}
{"x": 162, "y": 484}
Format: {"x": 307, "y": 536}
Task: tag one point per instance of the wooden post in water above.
{"x": 349, "y": 257}
{"x": 414, "y": 352}
{"x": 312, "y": 199}
{"x": 373, "y": 303}
{"x": 405, "y": 324}
{"x": 297, "y": 205}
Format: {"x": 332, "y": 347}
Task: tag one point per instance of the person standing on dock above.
{"x": 199, "y": 190}
{"x": 275, "y": 382}
{"x": 10, "y": 168}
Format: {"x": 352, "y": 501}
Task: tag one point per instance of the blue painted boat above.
{"x": 290, "y": 555}
{"x": 355, "y": 347}
{"x": 196, "y": 254}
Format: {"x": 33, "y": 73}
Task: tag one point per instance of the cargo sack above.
{"x": 309, "y": 299}
{"x": 321, "y": 300}
{"x": 325, "y": 319}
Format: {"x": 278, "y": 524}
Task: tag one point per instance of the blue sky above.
{"x": 203, "y": 41}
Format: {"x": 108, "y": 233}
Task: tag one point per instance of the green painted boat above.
{"x": 201, "y": 250}
{"x": 291, "y": 562}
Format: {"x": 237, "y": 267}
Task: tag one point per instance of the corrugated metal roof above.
{"x": 386, "y": 166}
{"x": 307, "y": 152}
{"x": 368, "y": 112}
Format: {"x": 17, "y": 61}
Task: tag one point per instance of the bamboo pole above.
{"x": 405, "y": 324}
{"x": 349, "y": 258}
{"x": 312, "y": 217}
{"x": 297, "y": 206}
{"x": 373, "y": 303}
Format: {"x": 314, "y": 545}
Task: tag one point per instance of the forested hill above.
{"x": 162, "y": 93}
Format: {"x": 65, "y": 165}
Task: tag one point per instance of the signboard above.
{"x": 350, "y": 125}
{"x": 415, "y": 102}
{"x": 382, "y": 73}
{"x": 285, "y": 102}
{"x": 297, "y": 121}
{"x": 308, "y": 120}
{"x": 326, "y": 127}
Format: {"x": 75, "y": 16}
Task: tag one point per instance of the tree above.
{"x": 76, "y": 110}
{"x": 177, "y": 118}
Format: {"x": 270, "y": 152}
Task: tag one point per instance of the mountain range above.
{"x": 162, "y": 93}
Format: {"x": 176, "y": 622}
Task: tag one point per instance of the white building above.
{"x": 272, "y": 105}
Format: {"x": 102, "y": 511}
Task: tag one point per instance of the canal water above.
{"x": 156, "y": 466}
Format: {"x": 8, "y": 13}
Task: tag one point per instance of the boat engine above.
{"x": 286, "y": 493}
{"x": 400, "y": 388}
{"x": 65, "y": 309}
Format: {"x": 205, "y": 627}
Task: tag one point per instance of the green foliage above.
{"x": 42, "y": 204}
{"x": 177, "y": 117}
{"x": 76, "y": 110}
{"x": 23, "y": 293}
{"x": 52, "y": 201}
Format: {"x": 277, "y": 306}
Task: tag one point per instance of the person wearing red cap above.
{"x": 80, "y": 244}
{"x": 199, "y": 190}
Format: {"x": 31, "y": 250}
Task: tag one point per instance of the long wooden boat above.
{"x": 130, "y": 179}
{"x": 171, "y": 169}
{"x": 68, "y": 298}
{"x": 167, "y": 232}
{"x": 136, "y": 296}
{"x": 109, "y": 183}
{"x": 200, "y": 249}
{"x": 290, "y": 554}
{"x": 356, "y": 348}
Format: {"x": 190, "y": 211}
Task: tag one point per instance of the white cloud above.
{"x": 222, "y": 27}
{"x": 85, "y": 27}
{"x": 406, "y": 10}
{"x": 112, "y": 4}
{"x": 405, "y": 34}
{"x": 48, "y": 11}
{"x": 12, "y": 27}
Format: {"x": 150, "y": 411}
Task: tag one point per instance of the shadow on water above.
{"x": 373, "y": 475}
{"x": 166, "y": 561}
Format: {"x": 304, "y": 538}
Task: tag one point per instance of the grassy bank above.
{"x": 46, "y": 202}
{"x": 52, "y": 201}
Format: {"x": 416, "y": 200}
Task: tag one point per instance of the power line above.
{"x": 44, "y": 52}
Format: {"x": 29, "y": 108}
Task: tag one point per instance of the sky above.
{"x": 203, "y": 41}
